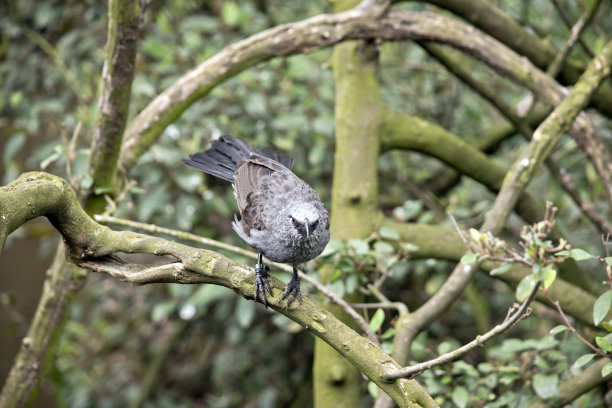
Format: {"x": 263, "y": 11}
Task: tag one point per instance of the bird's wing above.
{"x": 248, "y": 174}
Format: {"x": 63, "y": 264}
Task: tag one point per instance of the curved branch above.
{"x": 91, "y": 245}
{"x": 458, "y": 66}
{"x": 288, "y": 39}
{"x": 486, "y": 16}
{"x": 326, "y": 30}
{"x": 250, "y": 254}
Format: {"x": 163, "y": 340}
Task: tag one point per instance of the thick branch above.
{"x": 544, "y": 139}
{"x": 457, "y": 64}
{"x": 547, "y": 134}
{"x": 326, "y": 30}
{"x": 117, "y": 76}
{"x": 486, "y": 16}
{"x": 186, "y": 236}
{"x": 443, "y": 243}
{"x": 413, "y": 133}
{"x": 90, "y": 245}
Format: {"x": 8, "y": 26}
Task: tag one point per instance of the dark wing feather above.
{"x": 249, "y": 173}
{"x": 251, "y": 196}
{"x": 283, "y": 159}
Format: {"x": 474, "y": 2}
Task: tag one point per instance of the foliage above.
{"x": 213, "y": 349}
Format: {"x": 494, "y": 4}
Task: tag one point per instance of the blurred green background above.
{"x": 203, "y": 346}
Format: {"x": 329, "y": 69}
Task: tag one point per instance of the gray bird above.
{"x": 281, "y": 216}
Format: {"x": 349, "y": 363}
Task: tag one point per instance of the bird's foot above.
{"x": 261, "y": 283}
{"x": 293, "y": 290}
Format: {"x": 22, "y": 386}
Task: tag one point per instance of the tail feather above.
{"x": 225, "y": 154}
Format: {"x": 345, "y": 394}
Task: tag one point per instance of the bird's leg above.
{"x": 261, "y": 280}
{"x": 293, "y": 289}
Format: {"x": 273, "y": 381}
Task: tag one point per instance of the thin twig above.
{"x": 511, "y": 319}
{"x": 575, "y": 33}
{"x": 568, "y": 23}
{"x": 221, "y": 245}
{"x": 570, "y": 326}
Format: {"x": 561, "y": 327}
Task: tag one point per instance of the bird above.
{"x": 281, "y": 216}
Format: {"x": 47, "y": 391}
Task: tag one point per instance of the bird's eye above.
{"x": 314, "y": 225}
{"x": 295, "y": 222}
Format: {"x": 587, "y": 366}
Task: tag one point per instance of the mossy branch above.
{"x": 459, "y": 65}
{"x": 577, "y": 385}
{"x": 443, "y": 243}
{"x": 544, "y": 139}
{"x": 489, "y": 18}
{"x": 547, "y": 134}
{"x": 91, "y": 245}
{"x": 400, "y": 131}
{"x": 117, "y": 77}
{"x": 327, "y": 30}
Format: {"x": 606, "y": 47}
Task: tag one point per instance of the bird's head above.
{"x": 305, "y": 219}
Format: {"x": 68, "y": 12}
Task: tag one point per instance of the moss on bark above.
{"x": 89, "y": 245}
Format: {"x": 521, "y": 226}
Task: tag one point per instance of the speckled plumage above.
{"x": 281, "y": 216}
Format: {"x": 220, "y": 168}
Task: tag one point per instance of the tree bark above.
{"x": 92, "y": 246}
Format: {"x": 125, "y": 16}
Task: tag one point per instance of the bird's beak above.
{"x": 306, "y": 225}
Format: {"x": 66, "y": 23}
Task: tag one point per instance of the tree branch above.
{"x": 457, "y": 65}
{"x": 578, "y": 385}
{"x": 117, "y": 77}
{"x": 90, "y": 245}
{"x": 253, "y": 255}
{"x": 326, "y": 30}
{"x": 515, "y": 314}
{"x": 486, "y": 16}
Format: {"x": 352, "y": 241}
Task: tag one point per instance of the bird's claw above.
{"x": 293, "y": 289}
{"x": 261, "y": 283}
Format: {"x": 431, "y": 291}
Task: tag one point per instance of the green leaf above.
{"x": 608, "y": 260}
{"x": 602, "y": 307}
{"x": 334, "y": 245}
{"x": 501, "y": 269}
{"x": 603, "y": 344}
{"x": 360, "y": 246}
{"x": 351, "y": 283}
{"x": 583, "y": 360}
{"x": 525, "y": 287}
{"x": 373, "y": 389}
{"x": 231, "y": 14}
{"x": 389, "y": 233}
{"x": 377, "y": 319}
{"x": 606, "y": 370}
{"x": 470, "y": 258}
{"x": 460, "y": 397}
{"x": 580, "y": 254}
{"x": 545, "y": 385}
{"x": 475, "y": 234}
{"x": 547, "y": 274}
{"x": 383, "y": 247}
{"x": 607, "y": 326}
{"x": 557, "y": 329}
{"x": 388, "y": 334}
